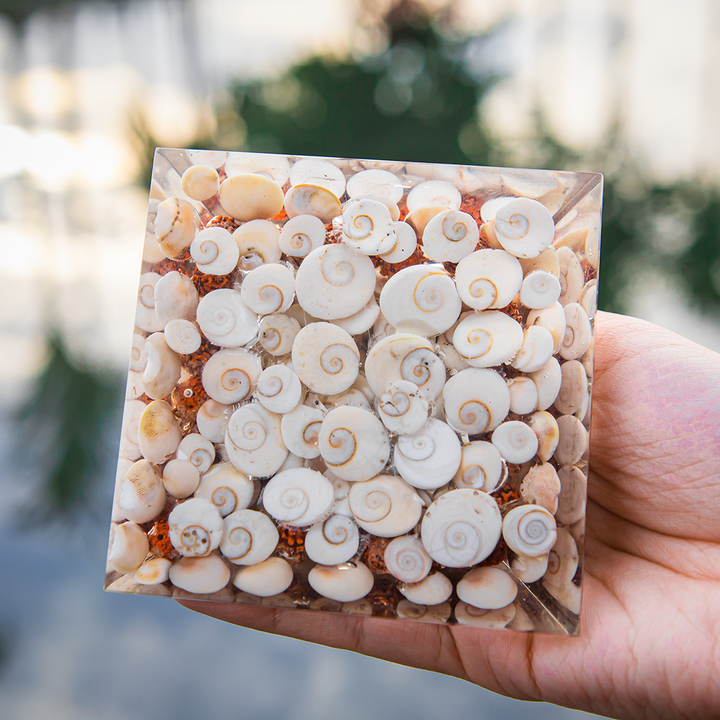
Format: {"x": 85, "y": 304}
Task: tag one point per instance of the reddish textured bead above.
{"x": 374, "y": 554}
{"x": 291, "y": 545}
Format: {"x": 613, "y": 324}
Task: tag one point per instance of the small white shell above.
{"x": 461, "y": 528}
{"x": 353, "y": 443}
{"x": 197, "y": 450}
{"x": 524, "y": 227}
{"x": 578, "y": 332}
{"x": 450, "y": 236}
{"x": 176, "y": 223}
{"x": 158, "y": 432}
{"x": 488, "y": 338}
{"x": 405, "y": 243}
{"x": 545, "y": 427}
{"x": 225, "y": 320}
{"x": 249, "y": 537}
{"x": 361, "y": 321}
{"x": 200, "y": 575}
{"x": 215, "y": 251}
{"x": 368, "y": 228}
{"x": 488, "y": 588}
{"x": 529, "y": 530}
{"x": 226, "y": 488}
{"x": 195, "y": 527}
{"x": 269, "y": 288}
{"x": 163, "y": 367}
{"x": 529, "y": 569}
{"x": 270, "y": 577}
{"x": 432, "y": 590}
{"x": 572, "y": 276}
{"x": 420, "y": 217}
{"x": 476, "y": 401}
{"x": 563, "y": 560}
{"x": 540, "y": 289}
{"x": 180, "y": 478}
{"x": 253, "y": 441}
{"x": 490, "y": 207}
{"x": 314, "y": 171}
{"x": 138, "y": 356}
{"x": 481, "y": 467}
{"x": 129, "y": 548}
{"x": 212, "y": 420}
{"x": 334, "y": 282}
{"x": 200, "y": 182}
{"x": 312, "y": 200}
{"x": 332, "y": 542}
{"x": 257, "y": 242}
{"x": 548, "y": 380}
{"x": 488, "y": 279}
{"x": 154, "y": 572}
{"x": 247, "y": 196}
{"x": 277, "y": 333}
{"x": 175, "y": 297}
{"x": 434, "y": 192}
{"x": 182, "y": 336}
{"x": 278, "y": 389}
{"x": 403, "y": 408}
{"x": 385, "y": 506}
{"x": 430, "y": 458}
{"x": 573, "y": 440}
{"x": 573, "y": 495}
{"x": 230, "y": 376}
{"x": 301, "y": 235}
{"x": 516, "y": 442}
{"x": 523, "y": 395}
{"x": 299, "y": 497}
{"x": 406, "y": 559}
{"x": 375, "y": 182}
{"x": 421, "y": 299}
{"x": 325, "y": 358}
{"x": 422, "y": 613}
{"x": 491, "y": 619}
{"x": 541, "y": 486}
{"x": 345, "y": 583}
{"x": 300, "y": 430}
{"x": 535, "y": 351}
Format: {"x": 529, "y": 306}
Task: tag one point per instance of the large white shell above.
{"x": 230, "y": 376}
{"x": 145, "y": 316}
{"x": 461, "y": 528}
{"x": 476, "y": 401}
{"x": 571, "y": 278}
{"x": 481, "y": 467}
{"x": 529, "y": 530}
{"x": 488, "y": 279}
{"x": 298, "y": 497}
{"x": 334, "y": 282}
{"x": 200, "y": 575}
{"x": 195, "y": 527}
{"x": 249, "y": 537}
{"x": 257, "y": 242}
{"x": 253, "y": 441}
{"x": 488, "y": 338}
{"x": 491, "y": 619}
{"x": 215, "y": 251}
{"x": 314, "y": 171}
{"x": 545, "y": 427}
{"x": 345, "y": 583}
{"x": 175, "y": 297}
{"x": 375, "y": 182}
{"x": 128, "y": 548}
{"x": 300, "y": 430}
{"x": 421, "y": 299}
{"x": 450, "y": 236}
{"x": 301, "y": 235}
{"x": 573, "y": 495}
{"x": 325, "y": 358}
{"x": 385, "y": 506}
{"x": 278, "y": 389}
{"x": 212, "y": 419}
{"x": 182, "y": 336}
{"x": 524, "y": 227}
{"x": 226, "y": 488}
{"x": 529, "y": 569}
{"x": 406, "y": 559}
{"x": 430, "y": 458}
{"x": 403, "y": 408}
{"x": 264, "y": 579}
{"x": 158, "y": 432}
{"x": 353, "y": 443}
{"x": 333, "y": 541}
{"x": 197, "y": 450}
{"x": 516, "y": 442}
{"x": 432, "y": 590}
{"x": 573, "y": 395}
{"x": 277, "y": 333}
{"x": 434, "y": 192}
{"x": 269, "y": 288}
{"x": 368, "y": 227}
{"x": 488, "y": 588}
{"x": 163, "y": 367}
{"x": 248, "y": 196}
{"x": 225, "y": 319}
{"x": 535, "y": 351}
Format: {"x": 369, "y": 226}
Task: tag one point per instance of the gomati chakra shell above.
{"x": 268, "y": 289}
{"x": 535, "y": 351}
{"x": 182, "y": 336}
{"x": 489, "y": 588}
{"x": 353, "y": 443}
{"x": 524, "y": 227}
{"x": 430, "y": 458}
{"x": 278, "y": 389}
{"x": 214, "y": 251}
{"x": 300, "y": 430}
{"x": 405, "y": 243}
{"x": 476, "y": 401}
{"x": 333, "y": 541}
{"x": 488, "y": 279}
{"x": 249, "y": 537}
{"x": 375, "y": 182}
{"x": 248, "y": 196}
{"x": 230, "y": 376}
{"x": 312, "y": 200}
{"x": 385, "y": 506}
{"x": 226, "y": 488}
{"x": 367, "y": 227}
{"x": 299, "y": 497}
{"x": 225, "y": 319}
{"x": 301, "y": 235}
{"x": 257, "y": 242}
{"x": 539, "y": 290}
{"x": 334, "y": 282}
{"x": 197, "y": 450}
{"x": 421, "y": 299}
{"x": 461, "y": 528}
{"x": 529, "y": 530}
{"x": 175, "y": 297}
{"x": 346, "y": 582}
{"x": 432, "y": 590}
{"x": 516, "y": 442}
{"x": 277, "y": 333}
{"x": 403, "y": 408}
{"x": 488, "y": 338}
{"x": 422, "y": 613}
{"x": 145, "y": 316}
{"x": 325, "y": 358}
{"x": 176, "y": 223}
{"x": 361, "y": 321}
{"x": 450, "y": 236}
{"x": 195, "y": 527}
{"x": 481, "y": 467}
{"x": 407, "y": 559}
{"x": 434, "y": 192}
{"x": 253, "y": 441}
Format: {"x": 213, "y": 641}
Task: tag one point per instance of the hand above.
{"x": 649, "y": 643}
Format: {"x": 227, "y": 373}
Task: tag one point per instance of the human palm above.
{"x": 649, "y": 644}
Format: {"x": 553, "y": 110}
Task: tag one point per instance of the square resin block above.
{"x": 361, "y": 387}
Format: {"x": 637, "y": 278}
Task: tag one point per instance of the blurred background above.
{"x": 88, "y": 89}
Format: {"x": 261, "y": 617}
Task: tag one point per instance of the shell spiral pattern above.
{"x": 529, "y": 530}
{"x": 407, "y": 559}
{"x": 253, "y": 441}
{"x": 214, "y": 251}
{"x": 298, "y": 497}
{"x": 249, "y": 537}
{"x": 450, "y": 236}
{"x": 332, "y": 542}
{"x": 279, "y": 389}
{"x": 385, "y": 506}
{"x": 268, "y": 289}
{"x": 476, "y": 401}
{"x": 225, "y": 320}
{"x": 195, "y": 527}
{"x": 230, "y": 376}
{"x": 301, "y": 235}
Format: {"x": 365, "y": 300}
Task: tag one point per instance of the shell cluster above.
{"x": 361, "y": 386}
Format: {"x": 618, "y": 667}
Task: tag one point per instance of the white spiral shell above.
{"x": 488, "y": 338}
{"x": 334, "y": 282}
{"x": 535, "y": 351}
{"x": 489, "y": 588}
{"x": 301, "y": 235}
{"x": 405, "y": 243}
{"x": 215, "y": 251}
{"x": 403, "y": 408}
{"x": 368, "y": 227}
{"x": 434, "y": 192}
{"x": 432, "y": 590}
{"x": 450, "y": 236}
{"x": 573, "y": 495}
{"x": 461, "y": 528}
{"x": 249, "y": 537}
{"x": 153, "y": 572}
{"x": 529, "y": 569}
{"x": 196, "y": 449}
{"x": 226, "y": 488}
{"x": 269, "y": 288}
{"x": 385, "y": 506}
{"x": 488, "y": 279}
{"x": 257, "y": 242}
{"x": 571, "y": 278}
{"x": 253, "y": 441}
{"x": 430, "y": 458}
{"x": 346, "y": 582}
{"x": 529, "y": 530}
{"x": 129, "y": 447}
{"x": 230, "y": 376}
{"x": 481, "y": 467}
{"x": 573, "y": 441}
{"x": 300, "y": 430}
{"x": 276, "y": 333}
{"x": 476, "y": 401}
{"x": 333, "y": 541}
{"x": 539, "y": 290}
{"x": 516, "y": 442}
{"x": 353, "y": 443}
{"x": 406, "y": 559}
{"x": 524, "y": 227}
{"x": 199, "y": 575}
{"x": 546, "y": 429}
{"x": 195, "y": 527}
{"x": 278, "y": 389}
{"x": 182, "y": 336}
{"x": 563, "y": 560}
{"x": 225, "y": 319}
{"x": 128, "y": 548}
{"x": 375, "y": 182}
{"x": 548, "y": 381}
{"x": 299, "y": 497}
{"x": 312, "y": 200}
{"x": 552, "y": 318}
{"x": 578, "y": 332}
{"x": 523, "y": 395}
{"x": 175, "y": 297}
{"x": 325, "y": 358}
{"x": 421, "y": 299}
